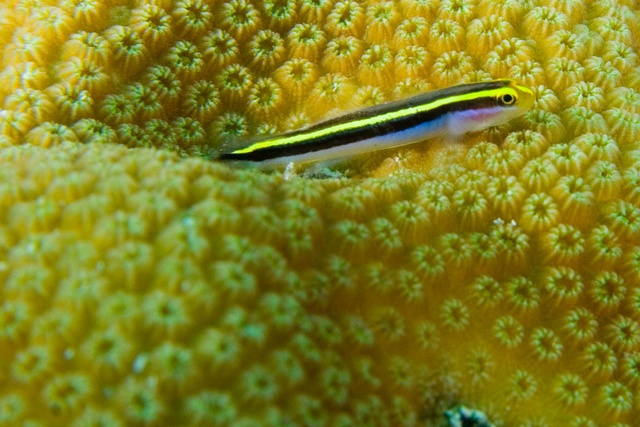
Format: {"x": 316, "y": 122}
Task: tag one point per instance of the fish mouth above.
{"x": 526, "y": 96}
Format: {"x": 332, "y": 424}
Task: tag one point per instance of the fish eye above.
{"x": 507, "y": 99}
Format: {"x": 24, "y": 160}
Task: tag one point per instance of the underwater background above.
{"x": 143, "y": 284}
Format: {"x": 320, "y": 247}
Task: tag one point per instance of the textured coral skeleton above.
{"x": 144, "y": 285}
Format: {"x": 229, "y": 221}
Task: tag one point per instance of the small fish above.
{"x": 449, "y": 112}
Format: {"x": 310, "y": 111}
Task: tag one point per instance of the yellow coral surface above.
{"x": 143, "y": 288}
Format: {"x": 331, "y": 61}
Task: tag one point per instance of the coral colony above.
{"x": 145, "y": 285}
